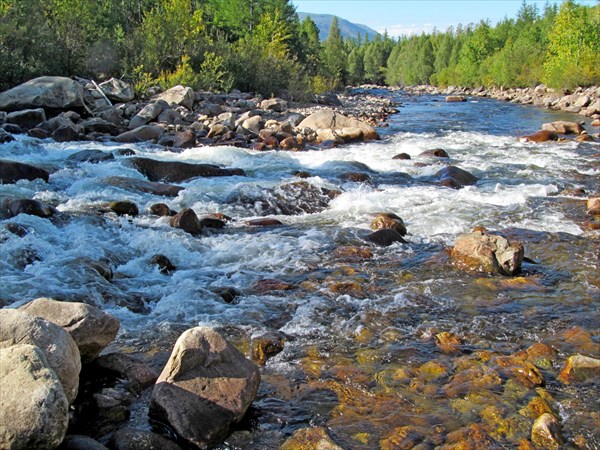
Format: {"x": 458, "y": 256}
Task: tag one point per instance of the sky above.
{"x": 405, "y": 17}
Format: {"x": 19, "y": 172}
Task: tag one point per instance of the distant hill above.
{"x": 348, "y": 29}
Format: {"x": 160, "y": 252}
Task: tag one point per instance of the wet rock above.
{"x": 291, "y": 143}
{"x": 187, "y": 220}
{"x": 435, "y": 153}
{"x": 124, "y": 208}
{"x": 67, "y": 133}
{"x": 175, "y": 171}
{"x": 268, "y": 285}
{"x": 130, "y": 439}
{"x": 101, "y": 411}
{"x": 593, "y": 206}
{"x": 385, "y": 237}
{"x": 178, "y": 95}
{"x": 138, "y": 374}
{"x": 266, "y": 222}
{"x": 401, "y": 438}
{"x": 12, "y": 171}
{"x": 487, "y": 253}
{"x": 27, "y": 118}
{"x": 5, "y": 137}
{"x": 315, "y": 438}
{"x": 161, "y": 209}
{"x": 585, "y": 138}
{"x": 57, "y": 93}
{"x": 563, "y": 127}
{"x": 353, "y": 252}
{"x": 212, "y": 222}
{"x": 402, "y": 156}
{"x": 540, "y": 136}
{"x": 206, "y": 386}
{"x": 455, "y": 177}
{"x": 595, "y": 123}
{"x": 165, "y": 266}
{"x": 517, "y": 368}
{"x": 474, "y": 436}
{"x": 546, "y": 432}
{"x": 11, "y": 128}
{"x": 34, "y": 411}
{"x": 80, "y": 442}
{"x": 266, "y": 346}
{"x": 455, "y": 98}
{"x": 228, "y": 294}
{"x": 133, "y": 184}
{"x": 328, "y": 119}
{"x": 448, "y": 342}
{"x": 141, "y": 134}
{"x": 91, "y": 328}
{"x": 91, "y": 156}
{"x": 59, "y": 348}
{"x": 355, "y": 177}
{"x": 389, "y": 221}
{"x": 580, "y": 368}
{"x": 32, "y": 207}
{"x": 16, "y": 229}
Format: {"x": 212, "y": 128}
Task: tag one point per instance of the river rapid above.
{"x": 359, "y": 322}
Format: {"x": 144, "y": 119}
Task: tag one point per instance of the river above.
{"x": 360, "y": 355}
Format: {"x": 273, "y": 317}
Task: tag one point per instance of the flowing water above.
{"x": 359, "y": 326}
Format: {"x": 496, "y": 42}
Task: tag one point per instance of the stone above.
{"x": 540, "y": 136}
{"x": 59, "y": 348}
{"x": 435, "y": 153}
{"x": 546, "y": 433}
{"x": 133, "y": 184}
{"x": 13, "y": 171}
{"x": 264, "y": 222}
{"x": 253, "y": 124}
{"x": 455, "y": 177}
{"x": 291, "y": 143}
{"x": 595, "y": 123}
{"x": 32, "y": 207}
{"x": 55, "y": 93}
{"x": 165, "y": 266}
{"x": 563, "y": 127}
{"x": 187, "y": 220}
{"x": 456, "y": 98}
{"x": 131, "y": 439}
{"x": 585, "y": 138}
{"x": 402, "y": 156}
{"x": 314, "y": 438}
{"x": 580, "y": 368}
{"x": 67, "y": 133}
{"x": 487, "y": 253}
{"x": 184, "y": 139}
{"x": 91, "y": 156}
{"x": 146, "y": 114}
{"x": 178, "y": 95}
{"x": 27, "y": 118}
{"x": 91, "y": 328}
{"x": 175, "y": 171}
{"x": 593, "y": 206}
{"x": 266, "y": 346}
{"x": 401, "y": 438}
{"x": 138, "y": 374}
{"x": 124, "y": 208}
{"x": 34, "y": 411}
{"x": 140, "y": 134}
{"x": 216, "y": 130}
{"x": 80, "y": 442}
{"x": 5, "y": 137}
{"x": 206, "y": 385}
{"x": 389, "y": 220}
{"x": 162, "y": 210}
{"x": 385, "y": 237}
{"x": 117, "y": 90}
{"x": 355, "y": 177}
{"x": 328, "y": 119}
{"x": 350, "y": 134}
{"x": 228, "y": 294}
{"x": 98, "y": 125}
{"x": 274, "y": 104}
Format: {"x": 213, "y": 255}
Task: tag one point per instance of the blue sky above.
{"x": 409, "y": 16}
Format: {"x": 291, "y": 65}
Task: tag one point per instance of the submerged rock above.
{"x": 34, "y": 411}
{"x": 579, "y": 368}
{"x": 59, "y": 348}
{"x": 310, "y": 439}
{"x": 546, "y": 432}
{"x": 206, "y": 386}
{"x": 175, "y": 171}
{"x": 91, "y": 328}
{"x": 18, "y": 206}
{"x": 131, "y": 439}
{"x": 455, "y": 177}
{"x": 12, "y": 171}
{"x": 124, "y": 208}
{"x": 487, "y": 253}
{"x": 385, "y": 237}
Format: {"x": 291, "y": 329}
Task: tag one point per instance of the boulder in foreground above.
{"x": 34, "y": 411}
{"x": 488, "y": 253}
{"x": 91, "y": 328}
{"x": 13, "y": 171}
{"x": 206, "y": 386}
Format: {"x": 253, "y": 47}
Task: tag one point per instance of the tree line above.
{"x": 261, "y": 46}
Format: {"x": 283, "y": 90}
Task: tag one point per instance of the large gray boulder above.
{"x": 117, "y": 90}
{"x": 141, "y": 134}
{"x": 178, "y": 95}
{"x": 56, "y": 93}
{"x": 206, "y": 386}
{"x": 488, "y": 253}
{"x": 59, "y": 348}
{"x": 34, "y": 411}
{"x": 176, "y": 171}
{"x": 148, "y": 113}
{"x": 13, "y": 171}
{"x": 329, "y": 119}
{"x": 91, "y": 328}
{"x": 27, "y": 118}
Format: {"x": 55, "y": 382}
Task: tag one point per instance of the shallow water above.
{"x": 360, "y": 356}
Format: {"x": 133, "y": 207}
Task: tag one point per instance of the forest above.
{"x": 261, "y": 46}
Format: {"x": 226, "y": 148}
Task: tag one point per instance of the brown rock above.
{"x": 269, "y": 285}
{"x": 12, "y": 171}
{"x": 540, "y": 136}
{"x": 593, "y": 206}
{"x": 579, "y": 368}
{"x": 487, "y": 253}
{"x": 448, "y": 342}
{"x": 291, "y": 143}
{"x": 389, "y": 220}
{"x": 402, "y": 156}
{"x": 385, "y": 237}
{"x": 455, "y": 177}
{"x": 355, "y": 177}
{"x": 546, "y": 433}
{"x": 436, "y": 152}
{"x": 143, "y": 133}
{"x": 164, "y": 264}
{"x": 161, "y": 209}
{"x": 136, "y": 372}
{"x": 206, "y": 386}
{"x": 124, "y": 208}
{"x": 263, "y": 222}
{"x": 187, "y": 220}
{"x": 329, "y": 119}
{"x": 310, "y": 439}
{"x": 401, "y": 438}
{"x": 266, "y": 346}
{"x": 456, "y": 98}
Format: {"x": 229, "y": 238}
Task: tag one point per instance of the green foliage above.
{"x": 334, "y": 55}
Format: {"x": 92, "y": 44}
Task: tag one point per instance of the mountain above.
{"x": 348, "y": 29}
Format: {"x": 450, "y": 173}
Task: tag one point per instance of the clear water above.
{"x": 352, "y": 326}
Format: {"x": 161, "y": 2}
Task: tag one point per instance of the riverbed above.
{"x": 361, "y": 324}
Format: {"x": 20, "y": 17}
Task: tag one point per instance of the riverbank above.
{"x": 582, "y": 101}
